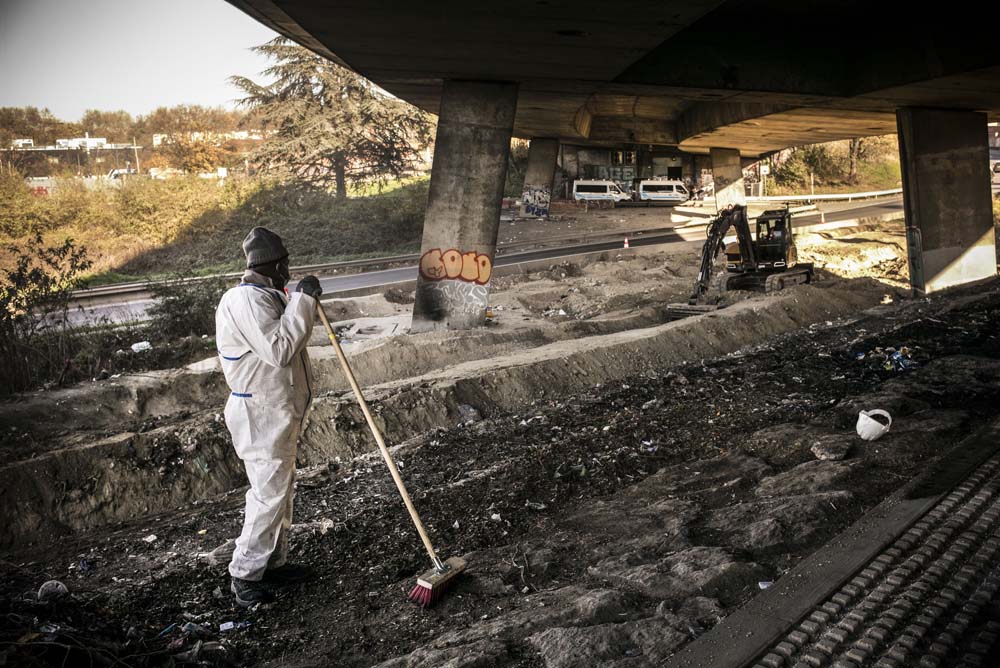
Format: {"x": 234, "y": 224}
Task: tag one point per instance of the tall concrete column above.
{"x": 727, "y": 176}
{"x": 537, "y": 193}
{"x": 944, "y": 156}
{"x": 463, "y": 206}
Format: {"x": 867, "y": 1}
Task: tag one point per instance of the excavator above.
{"x": 768, "y": 262}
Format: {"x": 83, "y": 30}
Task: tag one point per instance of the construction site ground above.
{"x": 618, "y": 483}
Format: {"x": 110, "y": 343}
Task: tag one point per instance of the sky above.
{"x": 136, "y": 55}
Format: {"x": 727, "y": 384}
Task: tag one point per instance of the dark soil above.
{"x": 522, "y": 497}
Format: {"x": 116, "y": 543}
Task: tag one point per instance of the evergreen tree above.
{"x": 328, "y": 125}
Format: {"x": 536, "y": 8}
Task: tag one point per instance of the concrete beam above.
{"x": 632, "y": 130}
{"x": 463, "y": 205}
{"x": 944, "y": 157}
{"x": 537, "y": 193}
{"x": 727, "y": 175}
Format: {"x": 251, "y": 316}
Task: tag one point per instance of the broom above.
{"x": 431, "y": 584}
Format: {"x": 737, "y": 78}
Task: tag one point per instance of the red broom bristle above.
{"x": 422, "y": 596}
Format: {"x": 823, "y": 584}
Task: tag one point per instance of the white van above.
{"x": 598, "y": 190}
{"x": 663, "y": 190}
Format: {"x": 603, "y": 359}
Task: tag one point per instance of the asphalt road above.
{"x": 136, "y": 308}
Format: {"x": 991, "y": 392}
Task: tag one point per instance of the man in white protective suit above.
{"x": 262, "y": 335}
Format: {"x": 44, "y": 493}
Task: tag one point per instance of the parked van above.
{"x": 599, "y": 190}
{"x": 663, "y": 190}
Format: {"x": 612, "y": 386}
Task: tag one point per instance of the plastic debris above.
{"x": 166, "y": 630}
{"x": 871, "y": 429}
{"x": 141, "y": 346}
{"x": 151, "y": 538}
{"x": 225, "y": 627}
{"x": 764, "y": 584}
{"x": 889, "y": 359}
{"x": 196, "y": 630}
{"x": 495, "y": 517}
{"x": 53, "y": 590}
{"x": 535, "y": 505}
{"x": 468, "y": 414}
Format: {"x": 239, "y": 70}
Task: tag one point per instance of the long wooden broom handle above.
{"x": 378, "y": 438}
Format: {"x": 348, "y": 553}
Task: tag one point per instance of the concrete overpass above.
{"x": 731, "y": 79}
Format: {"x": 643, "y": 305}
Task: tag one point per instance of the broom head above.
{"x": 432, "y": 584}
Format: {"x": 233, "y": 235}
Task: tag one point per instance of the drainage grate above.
{"x": 931, "y": 599}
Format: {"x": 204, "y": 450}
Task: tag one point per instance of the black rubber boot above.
{"x": 286, "y": 574}
{"x": 250, "y": 593}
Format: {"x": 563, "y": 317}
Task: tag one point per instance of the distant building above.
{"x": 87, "y": 143}
{"x": 161, "y": 139}
{"x": 994, "y": 130}
{"x": 22, "y": 143}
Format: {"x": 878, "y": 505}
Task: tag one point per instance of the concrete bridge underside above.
{"x": 722, "y": 78}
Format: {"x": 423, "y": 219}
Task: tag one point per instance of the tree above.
{"x": 33, "y": 123}
{"x": 195, "y": 154}
{"x": 329, "y": 125}
{"x": 855, "y": 152}
{"x": 115, "y": 126}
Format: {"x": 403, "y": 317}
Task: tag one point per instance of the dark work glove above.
{"x": 310, "y": 286}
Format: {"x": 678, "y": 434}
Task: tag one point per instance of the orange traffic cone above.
{"x": 626, "y": 243}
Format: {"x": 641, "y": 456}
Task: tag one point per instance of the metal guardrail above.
{"x": 143, "y": 286}
{"x": 847, "y": 197}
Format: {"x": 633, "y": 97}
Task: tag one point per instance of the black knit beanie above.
{"x": 262, "y": 246}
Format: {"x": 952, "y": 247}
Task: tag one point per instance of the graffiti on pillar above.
{"x": 536, "y": 200}
{"x": 470, "y": 266}
{"x": 458, "y": 297}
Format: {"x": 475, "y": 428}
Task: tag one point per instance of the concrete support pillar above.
{"x": 727, "y": 175}
{"x": 537, "y": 194}
{"x": 944, "y": 156}
{"x": 463, "y": 205}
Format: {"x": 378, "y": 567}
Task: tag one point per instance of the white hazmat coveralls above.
{"x": 261, "y": 337}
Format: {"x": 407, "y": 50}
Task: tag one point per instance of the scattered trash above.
{"x": 53, "y": 590}
{"x": 166, "y": 630}
{"x": 764, "y": 584}
{"x": 652, "y": 403}
{"x": 495, "y": 517}
{"x": 151, "y": 538}
{"x": 196, "y": 630}
{"x": 871, "y": 429}
{"x": 225, "y": 627}
{"x": 195, "y": 618}
{"x": 455, "y": 525}
{"x": 535, "y": 505}
{"x": 889, "y": 359}
{"x": 467, "y": 414}
{"x": 141, "y": 346}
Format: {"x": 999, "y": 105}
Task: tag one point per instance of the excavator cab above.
{"x": 774, "y": 245}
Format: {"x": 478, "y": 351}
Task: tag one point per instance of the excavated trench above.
{"x": 176, "y": 450}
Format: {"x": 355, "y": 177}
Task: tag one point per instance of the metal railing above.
{"x": 847, "y": 197}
